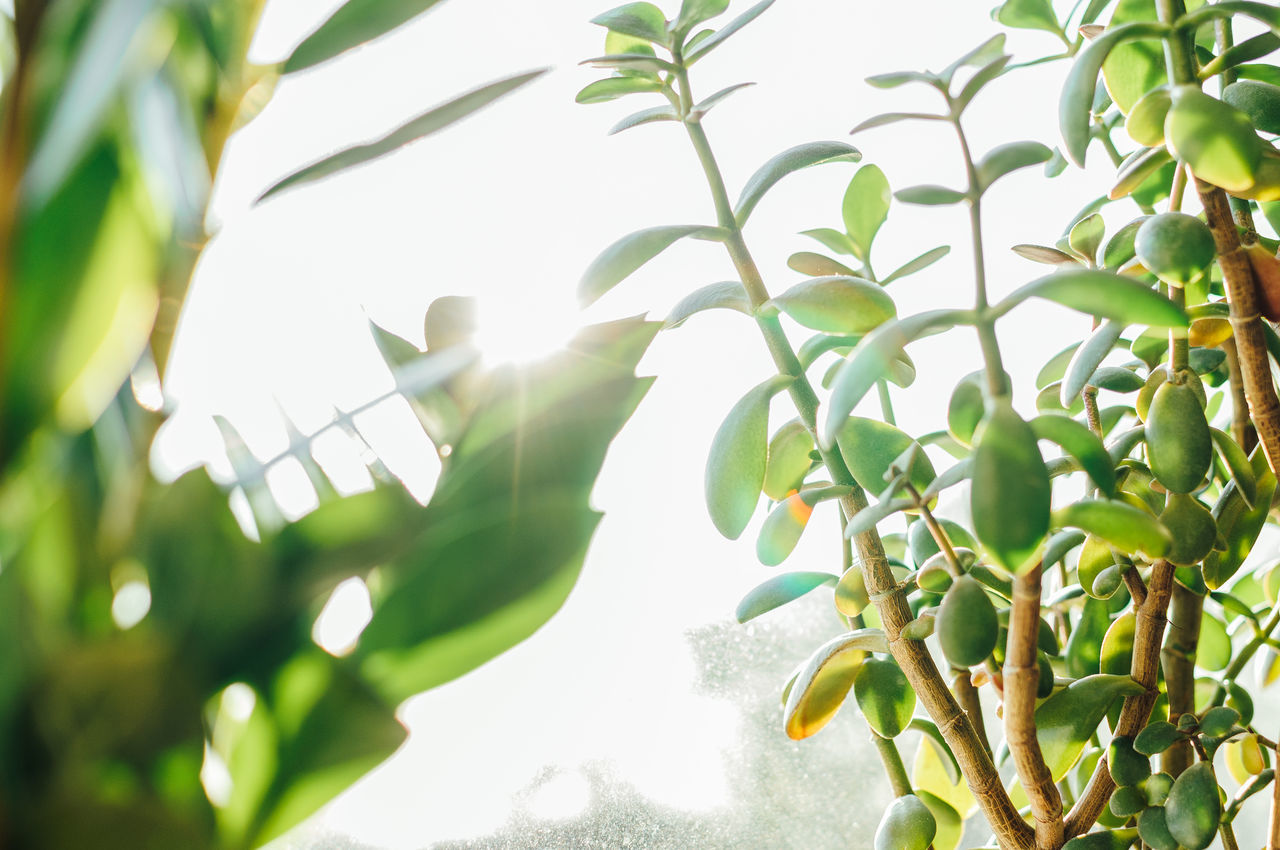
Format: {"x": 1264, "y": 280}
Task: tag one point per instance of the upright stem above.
{"x": 1273, "y": 823}
{"x": 1178, "y": 660}
{"x": 1021, "y": 676}
{"x": 893, "y": 766}
{"x": 890, "y": 600}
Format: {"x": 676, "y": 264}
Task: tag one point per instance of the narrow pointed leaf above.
{"x": 832, "y": 239}
{"x": 979, "y": 80}
{"x": 631, "y": 252}
{"x": 978, "y": 57}
{"x": 791, "y": 160}
{"x": 736, "y": 464}
{"x": 613, "y": 88}
{"x": 1125, "y": 527}
{"x": 837, "y": 304}
{"x": 645, "y": 63}
{"x": 1045, "y": 254}
{"x": 645, "y": 116}
{"x": 1084, "y": 363}
{"x": 886, "y": 118}
{"x": 708, "y": 103}
{"x": 900, "y": 78}
{"x": 705, "y": 46}
{"x": 424, "y": 125}
{"x": 1102, "y": 293}
{"x": 918, "y": 264}
{"x": 1067, "y": 719}
{"x": 725, "y": 295}
{"x": 1238, "y": 462}
{"x": 354, "y": 23}
{"x": 1082, "y": 444}
{"x": 778, "y": 591}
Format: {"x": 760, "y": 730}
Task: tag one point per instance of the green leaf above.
{"x": 1087, "y": 358}
{"x": 705, "y": 46}
{"x": 725, "y": 295}
{"x": 83, "y": 98}
{"x": 613, "y": 88}
{"x": 865, "y": 207}
{"x": 885, "y": 697}
{"x": 1239, "y": 524}
{"x": 870, "y": 447}
{"x": 1122, "y": 525}
{"x": 1045, "y": 254}
{"x": 645, "y": 116}
{"x": 1086, "y": 236}
{"x": 966, "y": 407}
{"x": 642, "y": 20}
{"x": 979, "y": 80}
{"x": 1214, "y": 138}
{"x": 825, "y": 679}
{"x": 789, "y": 460}
{"x": 1104, "y": 294}
{"x": 635, "y": 62}
{"x": 1075, "y": 108}
{"x": 950, "y": 826}
{"x": 778, "y": 591}
{"x": 918, "y": 264}
{"x": 354, "y": 23}
{"x": 1008, "y": 158}
{"x": 1082, "y": 444}
{"x": 1068, "y": 719}
{"x": 900, "y": 78}
{"x": 818, "y": 265}
{"x": 632, "y": 251}
{"x": 1214, "y": 650}
{"x": 873, "y": 359}
{"x": 978, "y": 57}
{"x": 424, "y": 125}
{"x": 1010, "y": 495}
{"x": 837, "y": 304}
{"x": 832, "y": 239}
{"x": 1117, "y": 379}
{"x": 708, "y": 103}
{"x": 886, "y": 118}
{"x": 1028, "y": 14}
{"x": 739, "y": 453}
{"x": 790, "y": 160}
{"x": 1238, "y": 462}
{"x": 930, "y": 196}
{"x": 694, "y": 12}
{"x": 782, "y": 529}
{"x": 1084, "y": 646}
{"x": 1193, "y": 808}
{"x": 867, "y": 518}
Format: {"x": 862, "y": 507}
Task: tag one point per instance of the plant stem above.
{"x": 1021, "y": 676}
{"x": 893, "y": 766}
{"x": 1136, "y": 710}
{"x": 1242, "y": 430}
{"x": 890, "y": 600}
{"x": 1228, "y": 834}
{"x": 1273, "y": 820}
{"x": 1178, "y": 660}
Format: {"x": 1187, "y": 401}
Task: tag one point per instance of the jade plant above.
{"x": 1109, "y": 631}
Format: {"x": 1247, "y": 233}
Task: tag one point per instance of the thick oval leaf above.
{"x": 837, "y": 304}
{"x": 705, "y": 46}
{"x": 1082, "y": 444}
{"x": 1193, "y": 808}
{"x": 920, "y": 263}
{"x": 885, "y": 696}
{"x": 818, "y": 265}
{"x": 725, "y": 295}
{"x": 631, "y": 252}
{"x": 930, "y": 196}
{"x": 1010, "y": 494}
{"x": 1101, "y": 293}
{"x": 615, "y": 87}
{"x": 873, "y": 359}
{"x": 1239, "y": 524}
{"x": 865, "y": 207}
{"x": 1238, "y": 462}
{"x": 1087, "y": 358}
{"x": 1075, "y": 108}
{"x": 950, "y": 827}
{"x": 788, "y": 460}
{"x": 1214, "y": 138}
{"x": 778, "y": 591}
{"x": 870, "y": 447}
{"x": 1122, "y": 525}
{"x": 1008, "y": 158}
{"x": 736, "y": 464}
{"x": 790, "y": 160}
{"x": 1086, "y": 236}
{"x": 1214, "y": 649}
{"x": 825, "y": 679}
{"x": 832, "y": 239}
{"x": 1068, "y": 719}
{"x": 1083, "y": 647}
{"x": 642, "y": 20}
{"x": 782, "y": 529}
{"x": 1028, "y": 14}
{"x": 424, "y": 125}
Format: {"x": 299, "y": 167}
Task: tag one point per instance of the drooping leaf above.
{"x": 710, "y": 43}
{"x": 1068, "y": 719}
{"x": 825, "y": 680}
{"x": 1008, "y": 158}
{"x": 1010, "y": 494}
{"x": 354, "y": 23}
{"x": 725, "y": 295}
{"x": 651, "y": 115}
{"x": 885, "y": 696}
{"x": 790, "y": 160}
{"x": 710, "y": 101}
{"x": 920, "y": 263}
{"x": 1214, "y": 138}
{"x": 1087, "y": 358}
{"x": 778, "y": 591}
{"x": 874, "y": 358}
{"x": 886, "y": 118}
{"x": 424, "y": 125}
{"x": 1082, "y": 444}
{"x": 865, "y": 207}
{"x": 1127, "y": 528}
{"x": 632, "y": 251}
{"x": 736, "y": 464}
{"x": 612, "y": 88}
{"x": 1102, "y": 293}
{"x": 837, "y": 304}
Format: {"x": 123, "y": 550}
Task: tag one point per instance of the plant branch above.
{"x": 1021, "y": 676}
{"x": 1178, "y": 660}
{"x": 1136, "y": 710}
{"x": 893, "y": 766}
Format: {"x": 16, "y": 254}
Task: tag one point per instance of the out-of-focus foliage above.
{"x": 159, "y": 681}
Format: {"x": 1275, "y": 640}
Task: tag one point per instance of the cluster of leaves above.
{"x": 147, "y": 644}
{"x": 1050, "y": 603}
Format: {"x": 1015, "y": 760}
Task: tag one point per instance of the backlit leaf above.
{"x": 1082, "y": 444}
{"x": 778, "y": 591}
{"x": 642, "y": 20}
{"x": 1122, "y": 525}
{"x": 710, "y": 43}
{"x": 1102, "y": 293}
{"x": 725, "y": 295}
{"x": 632, "y": 251}
{"x": 1068, "y": 719}
{"x": 1008, "y": 158}
{"x": 736, "y": 464}
{"x": 865, "y": 207}
{"x": 790, "y": 160}
{"x": 837, "y": 304}
{"x": 825, "y": 680}
{"x": 354, "y": 23}
{"x": 1010, "y": 494}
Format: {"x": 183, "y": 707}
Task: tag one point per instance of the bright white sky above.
{"x": 512, "y": 205}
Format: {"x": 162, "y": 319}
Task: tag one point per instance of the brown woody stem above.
{"x": 1178, "y": 661}
{"x": 1021, "y": 676}
{"x": 1136, "y": 711}
{"x": 1273, "y": 825}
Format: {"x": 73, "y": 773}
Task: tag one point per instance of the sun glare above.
{"x": 521, "y": 328}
